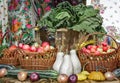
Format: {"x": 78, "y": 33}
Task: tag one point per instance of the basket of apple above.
{"x": 37, "y": 56}
{"x": 8, "y": 56}
{"x": 99, "y": 53}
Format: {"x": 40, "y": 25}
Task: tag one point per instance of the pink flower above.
{"x": 48, "y": 8}
{"x": 26, "y": 9}
{"x": 15, "y": 21}
{"x": 46, "y": 1}
{"x": 39, "y": 11}
{"x": 11, "y": 8}
{"x": 29, "y": 26}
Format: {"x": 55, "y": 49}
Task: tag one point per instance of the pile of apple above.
{"x": 103, "y": 48}
{"x": 45, "y": 46}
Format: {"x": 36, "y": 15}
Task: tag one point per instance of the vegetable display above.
{"x": 79, "y": 18}
{"x": 43, "y": 73}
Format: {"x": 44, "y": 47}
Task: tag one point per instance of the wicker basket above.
{"x": 118, "y": 65}
{"x": 9, "y": 57}
{"x": 108, "y": 60}
{"x": 37, "y": 61}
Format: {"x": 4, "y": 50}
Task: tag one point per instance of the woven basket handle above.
{"x": 95, "y": 33}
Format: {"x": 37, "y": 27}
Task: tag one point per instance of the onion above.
{"x": 34, "y": 76}
{"x": 3, "y": 72}
{"x": 73, "y": 78}
{"x": 109, "y": 76}
{"x": 62, "y": 78}
{"x": 22, "y": 76}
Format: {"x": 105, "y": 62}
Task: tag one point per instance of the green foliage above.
{"x": 79, "y": 18}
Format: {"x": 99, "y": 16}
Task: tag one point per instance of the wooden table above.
{"x": 13, "y": 80}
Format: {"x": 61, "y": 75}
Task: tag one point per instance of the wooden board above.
{"x": 13, "y": 80}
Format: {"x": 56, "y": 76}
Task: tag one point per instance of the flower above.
{"x": 48, "y": 8}
{"x": 11, "y": 8}
{"x": 46, "y": 1}
{"x": 39, "y": 11}
{"x": 26, "y": 9}
{"x": 15, "y": 21}
{"x": 29, "y": 26}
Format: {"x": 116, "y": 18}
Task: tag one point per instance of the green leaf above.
{"x": 62, "y": 15}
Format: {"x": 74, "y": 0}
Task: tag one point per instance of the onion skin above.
{"x": 62, "y": 78}
{"x": 34, "y": 77}
{"x": 109, "y": 76}
{"x": 3, "y": 72}
{"x": 22, "y": 76}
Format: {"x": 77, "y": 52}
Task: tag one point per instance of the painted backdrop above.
{"x": 110, "y": 11}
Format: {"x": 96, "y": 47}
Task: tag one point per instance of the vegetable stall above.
{"x": 73, "y": 48}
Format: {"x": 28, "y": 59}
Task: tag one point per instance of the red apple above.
{"x": 13, "y": 47}
{"x": 84, "y": 49}
{"x": 40, "y": 49}
{"x": 26, "y": 47}
{"x": 33, "y": 49}
{"x": 104, "y": 44}
{"x": 92, "y": 50}
{"x": 87, "y": 51}
{"x": 46, "y": 48}
{"x": 97, "y": 53}
{"x": 105, "y": 49}
{"x": 89, "y": 47}
{"x": 95, "y": 47}
{"x": 45, "y": 44}
{"x": 20, "y": 45}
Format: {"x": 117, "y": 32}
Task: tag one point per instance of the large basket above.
{"x": 118, "y": 56}
{"x": 108, "y": 60}
{"x": 37, "y": 61}
{"x": 9, "y": 57}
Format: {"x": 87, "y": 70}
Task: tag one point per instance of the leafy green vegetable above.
{"x": 79, "y": 18}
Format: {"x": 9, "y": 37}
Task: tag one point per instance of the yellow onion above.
{"x": 22, "y": 76}
{"x": 62, "y": 78}
{"x": 109, "y": 76}
{"x": 3, "y": 72}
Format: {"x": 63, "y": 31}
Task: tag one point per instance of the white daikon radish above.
{"x": 66, "y": 67}
{"x": 58, "y": 62}
{"x": 75, "y": 62}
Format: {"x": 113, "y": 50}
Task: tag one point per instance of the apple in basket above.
{"x": 26, "y": 47}
{"x": 40, "y": 50}
{"x": 20, "y": 45}
{"x": 12, "y": 47}
{"x": 46, "y": 46}
{"x": 33, "y": 49}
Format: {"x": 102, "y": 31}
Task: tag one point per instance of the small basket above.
{"x": 9, "y": 57}
{"x": 107, "y": 60}
{"x": 37, "y": 61}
